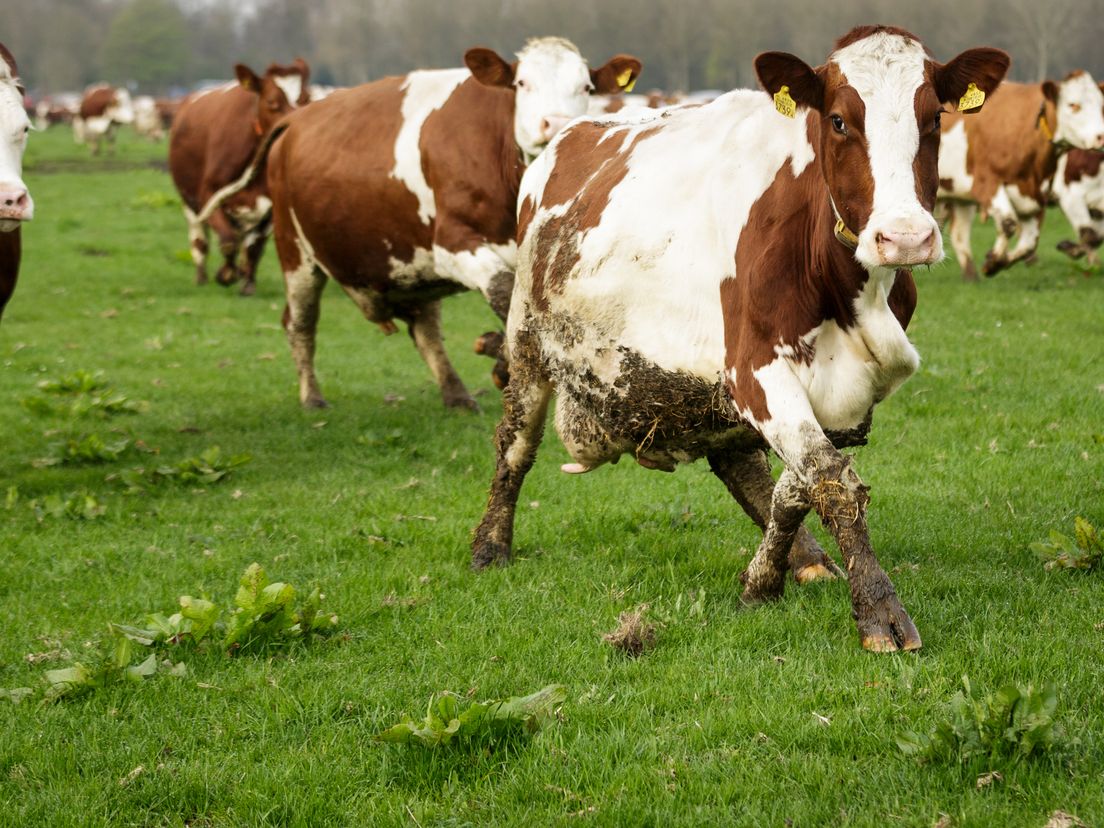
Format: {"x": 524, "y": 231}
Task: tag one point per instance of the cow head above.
{"x": 877, "y": 103}
{"x": 552, "y": 84}
{"x": 280, "y": 90}
{"x": 1078, "y": 102}
{"x": 15, "y": 201}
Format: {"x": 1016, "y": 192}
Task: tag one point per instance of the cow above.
{"x": 147, "y": 118}
{"x": 1003, "y": 161}
{"x": 56, "y": 109}
{"x": 1079, "y": 188}
{"x": 722, "y": 278}
{"x": 16, "y": 205}
{"x": 103, "y": 108}
{"x": 214, "y": 136}
{"x": 404, "y": 190}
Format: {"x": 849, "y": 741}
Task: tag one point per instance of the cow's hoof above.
{"x": 226, "y": 275}
{"x": 489, "y": 553}
{"x": 969, "y": 273}
{"x": 1071, "y": 249}
{"x": 463, "y": 403}
{"x": 993, "y": 265}
{"x": 1031, "y": 259}
{"x": 489, "y": 344}
{"x": 817, "y": 572}
{"x": 315, "y": 403}
{"x": 500, "y": 374}
{"x": 765, "y": 590}
{"x": 248, "y": 289}
{"x": 809, "y": 562}
{"x": 888, "y": 628}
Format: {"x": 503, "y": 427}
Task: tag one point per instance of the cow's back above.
{"x": 212, "y": 141}
{"x": 1005, "y": 139}
{"x": 95, "y": 102}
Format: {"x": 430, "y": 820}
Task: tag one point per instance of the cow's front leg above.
{"x": 425, "y": 329}
{"x": 524, "y": 405}
{"x": 765, "y": 575}
{"x": 747, "y": 477}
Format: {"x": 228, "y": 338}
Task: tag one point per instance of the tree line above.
{"x": 161, "y": 46}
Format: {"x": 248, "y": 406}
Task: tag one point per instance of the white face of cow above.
{"x": 553, "y": 85}
{"x": 1080, "y": 118}
{"x": 15, "y": 201}
{"x": 121, "y": 109}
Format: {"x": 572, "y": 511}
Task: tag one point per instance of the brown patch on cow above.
{"x": 96, "y": 100}
{"x": 791, "y": 275}
{"x": 863, "y": 32}
{"x": 634, "y": 635}
{"x": 587, "y": 161}
{"x": 842, "y": 159}
{"x": 1082, "y": 164}
{"x": 946, "y": 184}
{"x": 902, "y": 298}
{"x": 10, "y": 252}
{"x": 925, "y": 166}
{"x": 525, "y": 215}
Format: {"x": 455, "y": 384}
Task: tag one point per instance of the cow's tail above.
{"x": 247, "y": 177}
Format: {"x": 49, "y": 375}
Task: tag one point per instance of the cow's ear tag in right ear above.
{"x": 973, "y": 98}
{"x": 626, "y": 81}
{"x": 784, "y": 103}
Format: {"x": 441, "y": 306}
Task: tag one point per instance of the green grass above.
{"x": 996, "y": 441}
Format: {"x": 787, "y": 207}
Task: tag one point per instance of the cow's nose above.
{"x": 15, "y": 203}
{"x": 905, "y": 245}
{"x": 552, "y": 124}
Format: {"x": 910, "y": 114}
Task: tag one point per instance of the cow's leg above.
{"x": 197, "y": 245}
{"x": 962, "y": 222}
{"x": 747, "y": 477}
{"x": 1028, "y": 240}
{"x": 253, "y": 246}
{"x": 524, "y": 405}
{"x": 229, "y": 240}
{"x": 1004, "y": 218}
{"x": 303, "y": 287}
{"x": 764, "y": 578}
{"x": 425, "y": 330}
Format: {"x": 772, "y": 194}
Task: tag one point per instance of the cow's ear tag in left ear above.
{"x": 973, "y": 98}
{"x": 784, "y": 103}
{"x": 626, "y": 81}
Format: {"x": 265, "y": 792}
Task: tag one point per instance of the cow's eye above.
{"x": 521, "y": 84}
{"x": 938, "y": 120}
{"x": 837, "y": 124}
{"x": 1075, "y": 107}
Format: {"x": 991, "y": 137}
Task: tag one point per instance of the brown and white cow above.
{"x": 103, "y": 108}
{"x": 1004, "y": 160}
{"x": 722, "y": 278}
{"x": 16, "y": 205}
{"x": 214, "y": 137}
{"x": 405, "y": 190}
{"x": 1079, "y": 188}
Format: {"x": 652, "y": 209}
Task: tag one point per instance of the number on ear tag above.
{"x": 973, "y": 98}
{"x": 784, "y": 103}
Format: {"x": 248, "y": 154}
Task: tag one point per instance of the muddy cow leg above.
{"x": 764, "y": 578}
{"x": 425, "y": 330}
{"x": 524, "y": 405}
{"x": 303, "y": 287}
{"x": 252, "y": 247}
{"x": 197, "y": 245}
{"x": 747, "y": 477}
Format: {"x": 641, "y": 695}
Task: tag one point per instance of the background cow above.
{"x": 719, "y": 277}
{"x": 16, "y": 205}
{"x": 1004, "y": 160}
{"x": 103, "y": 109}
{"x": 214, "y": 137}
{"x": 405, "y": 190}
{"x": 147, "y": 118}
{"x": 1079, "y": 188}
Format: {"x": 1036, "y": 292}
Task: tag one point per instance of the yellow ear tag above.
{"x": 784, "y": 103}
{"x": 973, "y": 98}
{"x": 1044, "y": 126}
{"x": 626, "y": 81}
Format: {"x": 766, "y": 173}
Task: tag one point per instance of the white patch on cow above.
{"x": 250, "y": 215}
{"x": 412, "y": 273}
{"x": 14, "y": 125}
{"x": 423, "y": 93}
{"x": 474, "y": 269}
{"x": 1080, "y": 116}
{"x": 552, "y": 84}
{"x": 291, "y": 85}
{"x": 1079, "y": 198}
{"x": 197, "y": 238}
{"x": 953, "y": 148}
{"x": 886, "y": 70}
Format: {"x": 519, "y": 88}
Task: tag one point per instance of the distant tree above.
{"x": 146, "y": 44}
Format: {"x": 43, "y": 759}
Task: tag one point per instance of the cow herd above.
{"x": 714, "y": 280}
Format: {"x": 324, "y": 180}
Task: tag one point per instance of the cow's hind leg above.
{"x": 303, "y": 287}
{"x": 747, "y": 477}
{"x": 524, "y": 405}
{"x": 229, "y": 246}
{"x": 425, "y": 330}
{"x": 253, "y": 246}
{"x": 197, "y": 245}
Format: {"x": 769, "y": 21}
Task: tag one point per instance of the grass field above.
{"x": 764, "y": 716}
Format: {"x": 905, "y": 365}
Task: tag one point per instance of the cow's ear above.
{"x": 618, "y": 74}
{"x": 303, "y": 68}
{"x": 247, "y": 78}
{"x": 488, "y": 68}
{"x": 1050, "y": 91}
{"x": 971, "y": 77}
{"x": 9, "y": 59}
{"x": 803, "y": 84}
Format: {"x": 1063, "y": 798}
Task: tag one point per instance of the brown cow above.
{"x": 16, "y": 205}
{"x": 405, "y": 190}
{"x": 1004, "y": 160}
{"x": 214, "y": 136}
{"x": 723, "y": 277}
{"x": 102, "y": 109}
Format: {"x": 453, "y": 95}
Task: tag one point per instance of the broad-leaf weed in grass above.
{"x": 202, "y": 469}
{"x": 1016, "y": 723}
{"x": 80, "y": 394}
{"x": 1084, "y": 551}
{"x": 72, "y": 506}
{"x": 83, "y": 450}
{"x": 264, "y": 614}
{"x": 445, "y": 722}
